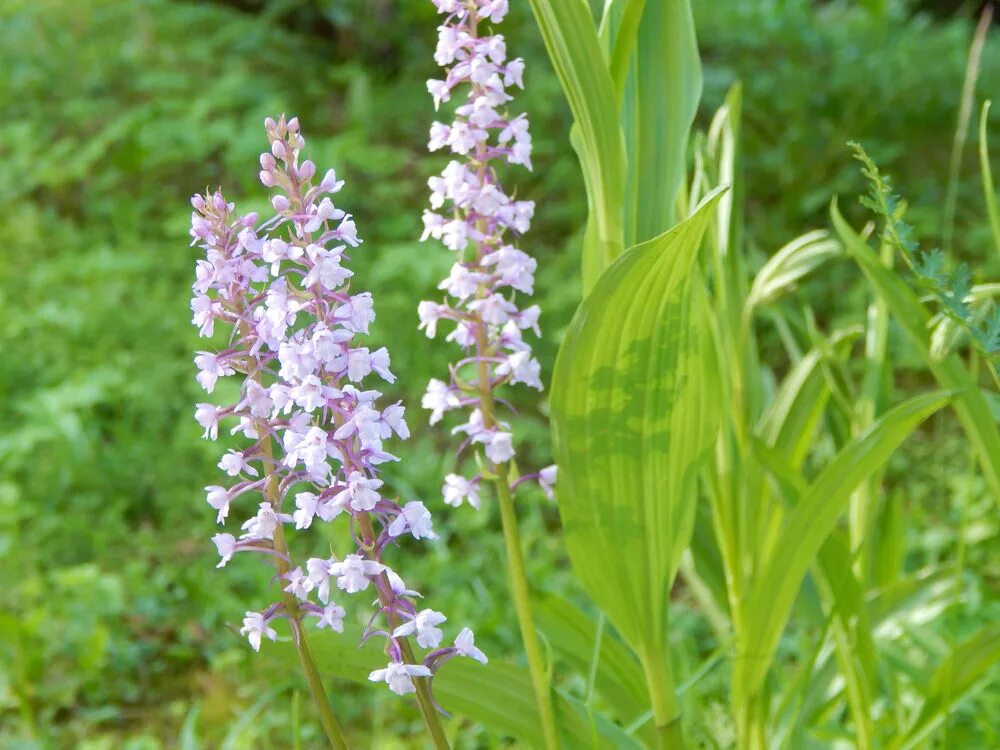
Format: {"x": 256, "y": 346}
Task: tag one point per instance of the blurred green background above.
{"x": 117, "y": 631}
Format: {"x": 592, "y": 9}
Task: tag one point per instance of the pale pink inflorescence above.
{"x": 310, "y": 427}
{"x": 473, "y": 217}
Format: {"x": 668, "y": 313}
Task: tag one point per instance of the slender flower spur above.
{"x": 309, "y": 425}
{"x": 474, "y": 218}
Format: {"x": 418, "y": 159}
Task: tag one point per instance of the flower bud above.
{"x": 267, "y": 178}
{"x": 280, "y": 203}
{"x": 307, "y": 170}
{"x": 267, "y": 162}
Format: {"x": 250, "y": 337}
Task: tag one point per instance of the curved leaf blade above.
{"x": 632, "y": 411}
{"x": 809, "y": 524}
{"x": 971, "y": 408}
{"x": 571, "y": 40}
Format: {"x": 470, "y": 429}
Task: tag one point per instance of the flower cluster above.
{"x": 480, "y": 223}
{"x": 311, "y": 433}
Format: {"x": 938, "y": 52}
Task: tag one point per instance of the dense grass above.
{"x": 118, "y": 632}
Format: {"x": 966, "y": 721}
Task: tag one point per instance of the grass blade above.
{"x": 955, "y": 678}
{"x": 989, "y": 190}
{"x": 807, "y": 528}
{"x": 970, "y": 406}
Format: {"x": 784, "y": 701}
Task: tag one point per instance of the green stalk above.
{"x": 863, "y": 501}
{"x": 334, "y": 734}
{"x": 520, "y": 590}
{"x": 663, "y": 699}
{"x": 750, "y": 725}
{"x": 962, "y": 127}
{"x": 313, "y": 679}
{"x": 424, "y": 698}
{"x": 519, "y": 587}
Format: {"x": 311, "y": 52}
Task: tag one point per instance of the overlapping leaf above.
{"x": 633, "y": 409}
{"x": 806, "y": 529}
{"x": 570, "y": 37}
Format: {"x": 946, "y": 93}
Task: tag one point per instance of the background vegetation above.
{"x": 117, "y": 630}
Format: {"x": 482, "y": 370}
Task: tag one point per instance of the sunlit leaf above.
{"x": 570, "y": 37}
{"x": 633, "y": 411}
{"x": 807, "y": 527}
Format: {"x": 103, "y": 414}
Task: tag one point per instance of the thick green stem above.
{"x": 663, "y": 699}
{"x": 522, "y": 606}
{"x": 750, "y": 725}
{"x": 520, "y": 589}
{"x": 424, "y": 698}
{"x": 271, "y": 493}
{"x": 313, "y": 679}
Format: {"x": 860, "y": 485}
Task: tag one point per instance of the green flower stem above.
{"x": 663, "y": 699}
{"x": 422, "y": 684}
{"x": 329, "y": 722}
{"x": 313, "y": 679}
{"x": 520, "y": 590}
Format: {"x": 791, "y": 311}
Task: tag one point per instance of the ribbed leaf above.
{"x": 970, "y": 406}
{"x": 661, "y": 96}
{"x": 807, "y": 527}
{"x": 632, "y": 403}
{"x": 621, "y": 20}
{"x": 497, "y": 695}
{"x": 570, "y": 37}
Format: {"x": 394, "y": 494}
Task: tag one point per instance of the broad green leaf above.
{"x": 633, "y": 410}
{"x": 808, "y": 525}
{"x": 497, "y": 695}
{"x": 661, "y": 96}
{"x": 618, "y": 676}
{"x": 970, "y": 406}
{"x": 989, "y": 191}
{"x": 570, "y": 38}
{"x": 961, "y": 672}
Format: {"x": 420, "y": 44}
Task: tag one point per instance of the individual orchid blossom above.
{"x": 399, "y": 676}
{"x": 310, "y": 436}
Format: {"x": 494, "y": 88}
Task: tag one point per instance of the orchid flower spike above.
{"x": 308, "y": 432}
